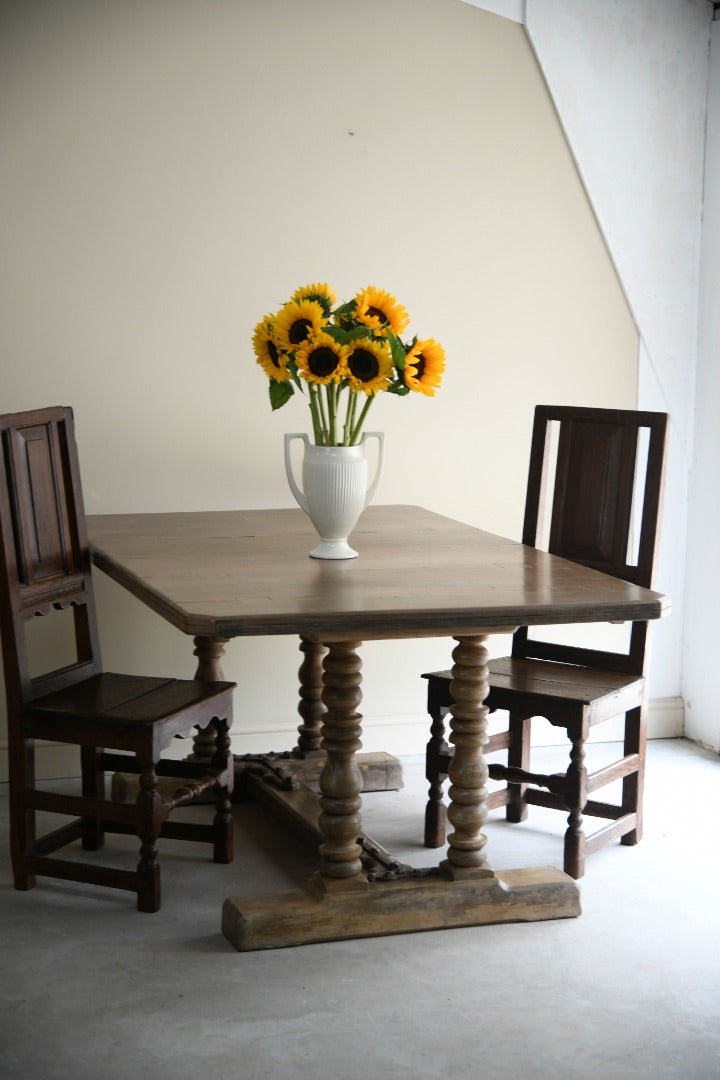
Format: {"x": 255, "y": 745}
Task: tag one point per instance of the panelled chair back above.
{"x": 120, "y": 722}
{"x": 604, "y": 511}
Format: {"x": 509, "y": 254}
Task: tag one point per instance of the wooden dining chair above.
{"x": 119, "y": 721}
{"x": 603, "y": 512}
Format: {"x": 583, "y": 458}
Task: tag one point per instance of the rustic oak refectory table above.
{"x": 220, "y": 575}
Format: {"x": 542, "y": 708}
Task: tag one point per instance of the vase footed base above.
{"x": 333, "y": 549}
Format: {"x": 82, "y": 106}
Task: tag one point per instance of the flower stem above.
{"x": 313, "y": 414}
{"x": 323, "y": 417}
{"x": 332, "y": 414}
{"x": 358, "y": 426}
{"x": 316, "y": 411}
{"x": 349, "y": 419}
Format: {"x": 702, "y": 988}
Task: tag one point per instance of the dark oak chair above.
{"x": 120, "y": 722}
{"x": 607, "y": 493}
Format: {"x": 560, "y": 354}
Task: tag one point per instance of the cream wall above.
{"x": 703, "y": 575}
{"x": 629, "y": 82}
{"x": 173, "y": 171}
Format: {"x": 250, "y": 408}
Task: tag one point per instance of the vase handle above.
{"x": 381, "y": 446}
{"x": 301, "y": 500}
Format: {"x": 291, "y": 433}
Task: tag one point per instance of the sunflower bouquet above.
{"x": 323, "y": 350}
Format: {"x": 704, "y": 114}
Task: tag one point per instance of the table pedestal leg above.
{"x": 209, "y": 651}
{"x": 468, "y": 773}
{"x": 380, "y": 771}
{"x": 340, "y": 779}
{"x": 310, "y": 707}
{"x": 339, "y": 901}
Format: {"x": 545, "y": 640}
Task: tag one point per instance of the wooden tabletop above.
{"x": 247, "y": 572}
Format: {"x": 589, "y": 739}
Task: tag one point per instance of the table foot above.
{"x": 334, "y": 911}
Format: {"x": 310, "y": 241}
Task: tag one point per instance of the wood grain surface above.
{"x": 247, "y": 572}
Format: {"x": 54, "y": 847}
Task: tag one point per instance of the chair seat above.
{"x": 545, "y": 679}
{"x": 542, "y": 678}
{"x": 545, "y": 686}
{"x": 123, "y": 707}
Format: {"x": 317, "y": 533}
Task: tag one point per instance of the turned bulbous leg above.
{"x": 341, "y": 779}
{"x": 310, "y": 707}
{"x": 209, "y": 651}
{"x": 468, "y": 772}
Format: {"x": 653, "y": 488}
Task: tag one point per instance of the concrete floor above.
{"x": 631, "y": 989}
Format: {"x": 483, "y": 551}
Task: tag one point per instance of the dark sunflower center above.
{"x": 322, "y": 361}
{"x": 378, "y": 314}
{"x": 299, "y": 331}
{"x": 364, "y": 365}
{"x": 418, "y": 362}
{"x": 273, "y": 354}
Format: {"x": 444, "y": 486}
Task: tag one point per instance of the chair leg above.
{"x": 149, "y": 824}
{"x": 518, "y": 758}
{"x": 22, "y": 820}
{"x": 93, "y": 787}
{"x": 436, "y": 757}
{"x": 632, "y": 788}
{"x": 574, "y": 856}
{"x": 223, "y": 821}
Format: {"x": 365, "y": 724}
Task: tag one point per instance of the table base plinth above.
{"x": 380, "y": 772}
{"x": 330, "y": 911}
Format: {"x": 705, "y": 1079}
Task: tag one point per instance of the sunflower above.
{"x": 321, "y": 359}
{"x": 378, "y": 310}
{"x": 322, "y": 294}
{"x": 424, "y": 365}
{"x": 297, "y": 321}
{"x": 369, "y": 366}
{"x": 268, "y": 355}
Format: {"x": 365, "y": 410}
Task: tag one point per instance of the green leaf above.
{"x": 344, "y": 337}
{"x": 292, "y": 368}
{"x": 359, "y": 332}
{"x": 280, "y": 394}
{"x": 397, "y": 350}
{"x": 337, "y": 334}
{"x": 398, "y": 388}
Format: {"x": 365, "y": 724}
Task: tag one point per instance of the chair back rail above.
{"x": 45, "y": 566}
{"x": 594, "y": 507}
{"x": 45, "y": 555}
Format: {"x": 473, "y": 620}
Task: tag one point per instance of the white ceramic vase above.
{"x": 335, "y": 490}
